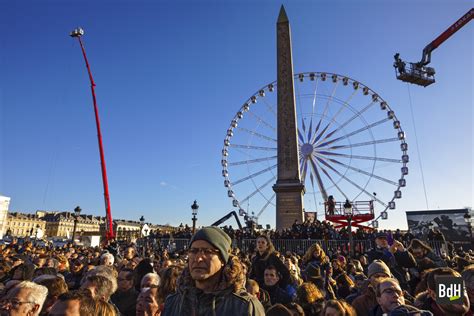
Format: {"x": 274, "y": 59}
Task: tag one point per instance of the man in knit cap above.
{"x": 366, "y": 302}
{"x": 211, "y": 284}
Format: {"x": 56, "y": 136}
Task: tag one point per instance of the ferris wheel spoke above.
{"x": 319, "y": 180}
{"x": 253, "y": 147}
{"x": 314, "y": 96}
{"x": 256, "y": 134}
{"x": 269, "y": 107}
{"x": 356, "y": 115}
{"x": 333, "y": 119}
{"x": 260, "y": 120}
{"x": 364, "y": 172}
{"x": 310, "y": 128}
{"x": 266, "y": 205}
{"x": 328, "y": 153}
{"x": 351, "y": 182}
{"x": 304, "y": 168}
{"x": 332, "y": 180}
{"x": 243, "y": 162}
{"x": 320, "y": 135}
{"x": 326, "y": 108}
{"x": 379, "y": 141}
{"x": 253, "y": 175}
{"x": 300, "y": 136}
{"x": 257, "y": 190}
{"x": 354, "y": 132}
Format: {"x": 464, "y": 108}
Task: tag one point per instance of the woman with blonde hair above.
{"x": 103, "y": 308}
{"x": 315, "y": 253}
{"x": 316, "y": 256}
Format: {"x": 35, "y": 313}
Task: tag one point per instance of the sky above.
{"x": 170, "y": 77}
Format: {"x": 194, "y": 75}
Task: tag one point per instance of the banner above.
{"x": 450, "y": 222}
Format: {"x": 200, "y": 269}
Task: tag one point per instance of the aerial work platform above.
{"x": 361, "y": 212}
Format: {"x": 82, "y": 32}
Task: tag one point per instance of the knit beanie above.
{"x": 378, "y": 266}
{"x": 216, "y": 237}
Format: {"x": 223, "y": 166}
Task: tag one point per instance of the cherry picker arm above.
{"x": 418, "y": 73}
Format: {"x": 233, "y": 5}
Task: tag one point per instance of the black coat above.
{"x": 397, "y": 262}
{"x": 126, "y": 302}
{"x": 260, "y": 263}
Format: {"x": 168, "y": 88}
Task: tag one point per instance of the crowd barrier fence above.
{"x": 298, "y": 246}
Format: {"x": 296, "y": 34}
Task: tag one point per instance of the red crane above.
{"x": 110, "y": 234}
{"x": 418, "y": 73}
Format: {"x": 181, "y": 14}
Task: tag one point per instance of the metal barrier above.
{"x": 298, "y": 246}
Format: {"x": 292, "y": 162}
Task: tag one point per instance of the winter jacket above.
{"x": 194, "y": 302}
{"x": 126, "y": 302}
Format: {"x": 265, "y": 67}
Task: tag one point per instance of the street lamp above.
{"x": 348, "y": 213}
{"x": 142, "y": 222}
{"x": 77, "y": 212}
{"x": 195, "y": 208}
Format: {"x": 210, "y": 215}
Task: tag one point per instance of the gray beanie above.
{"x": 216, "y": 237}
{"x": 378, "y": 266}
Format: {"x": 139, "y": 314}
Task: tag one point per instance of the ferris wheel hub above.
{"x": 307, "y": 149}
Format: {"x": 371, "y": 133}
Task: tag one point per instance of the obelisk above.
{"x": 288, "y": 188}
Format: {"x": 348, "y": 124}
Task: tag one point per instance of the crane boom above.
{"x": 426, "y": 57}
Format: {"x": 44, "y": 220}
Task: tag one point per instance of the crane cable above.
{"x": 417, "y": 147}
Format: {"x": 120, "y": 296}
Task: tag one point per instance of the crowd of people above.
{"x": 316, "y": 229}
{"x": 210, "y": 277}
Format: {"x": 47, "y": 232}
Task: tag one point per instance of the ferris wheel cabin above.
{"x": 360, "y": 212}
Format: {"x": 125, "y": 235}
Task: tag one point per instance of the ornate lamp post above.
{"x": 194, "y": 208}
{"x": 142, "y": 222}
{"x": 77, "y": 212}
{"x": 348, "y": 213}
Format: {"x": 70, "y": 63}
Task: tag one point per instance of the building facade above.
{"x": 61, "y": 224}
{"x": 24, "y": 225}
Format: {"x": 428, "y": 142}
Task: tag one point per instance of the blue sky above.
{"x": 170, "y": 77}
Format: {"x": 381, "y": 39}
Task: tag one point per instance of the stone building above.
{"x": 24, "y": 225}
{"x": 61, "y": 224}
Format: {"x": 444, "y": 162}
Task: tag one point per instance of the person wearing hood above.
{"x": 210, "y": 284}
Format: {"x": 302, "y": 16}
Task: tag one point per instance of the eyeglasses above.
{"x": 206, "y": 252}
{"x": 14, "y": 303}
{"x": 391, "y": 291}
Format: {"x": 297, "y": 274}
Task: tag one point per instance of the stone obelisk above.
{"x": 288, "y": 188}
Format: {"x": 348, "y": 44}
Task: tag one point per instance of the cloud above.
{"x": 165, "y": 184}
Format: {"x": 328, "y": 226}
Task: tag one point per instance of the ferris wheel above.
{"x": 351, "y": 146}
